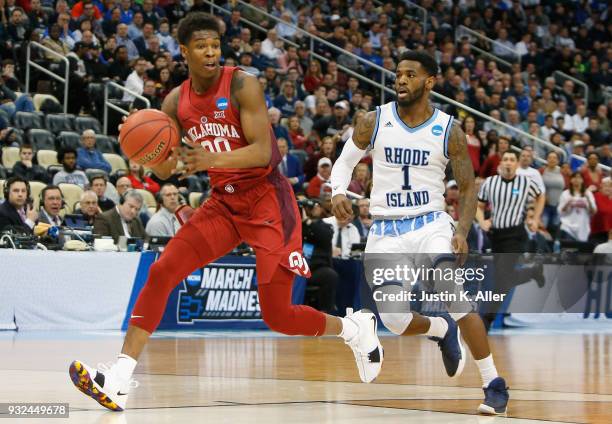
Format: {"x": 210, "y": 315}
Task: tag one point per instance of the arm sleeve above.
{"x": 343, "y": 168}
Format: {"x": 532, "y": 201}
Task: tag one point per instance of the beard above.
{"x": 412, "y": 97}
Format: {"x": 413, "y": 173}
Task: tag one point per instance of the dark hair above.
{"x": 98, "y": 177}
{"x": 62, "y": 153}
{"x": 196, "y": 21}
{"x": 427, "y": 62}
{"x": 49, "y": 188}
{"x": 25, "y": 146}
{"x": 13, "y": 180}
{"x": 511, "y": 152}
{"x": 582, "y": 187}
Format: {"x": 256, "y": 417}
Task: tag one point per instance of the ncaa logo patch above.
{"x": 515, "y": 192}
{"x": 437, "y": 130}
{"x": 222, "y": 103}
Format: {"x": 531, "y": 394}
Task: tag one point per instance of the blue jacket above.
{"x": 88, "y": 159}
{"x": 294, "y": 169}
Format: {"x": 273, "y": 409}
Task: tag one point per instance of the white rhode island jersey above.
{"x": 408, "y": 164}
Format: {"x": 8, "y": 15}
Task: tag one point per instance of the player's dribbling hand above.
{"x": 342, "y": 207}
{"x": 460, "y": 248}
{"x": 193, "y": 159}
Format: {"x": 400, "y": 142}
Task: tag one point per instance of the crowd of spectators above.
{"x": 314, "y": 104}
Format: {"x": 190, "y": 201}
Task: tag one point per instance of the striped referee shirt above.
{"x": 508, "y": 199}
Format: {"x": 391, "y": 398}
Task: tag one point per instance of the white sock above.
{"x": 437, "y": 327}
{"x": 125, "y": 366}
{"x": 349, "y": 329}
{"x": 487, "y": 369}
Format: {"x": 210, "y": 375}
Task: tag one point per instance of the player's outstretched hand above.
{"x": 124, "y": 118}
{"x": 342, "y": 208}
{"x": 460, "y": 248}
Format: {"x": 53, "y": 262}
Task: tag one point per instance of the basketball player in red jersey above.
{"x": 223, "y": 110}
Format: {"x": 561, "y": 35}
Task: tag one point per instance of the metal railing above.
{"x": 576, "y": 81}
{"x": 116, "y": 108}
{"x": 462, "y": 32}
{"x": 384, "y": 72}
{"x": 30, "y": 62}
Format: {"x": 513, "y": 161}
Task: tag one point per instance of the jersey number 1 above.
{"x": 406, "y": 185}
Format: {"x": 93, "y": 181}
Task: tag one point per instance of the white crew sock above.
{"x": 125, "y": 366}
{"x": 349, "y": 329}
{"x": 437, "y": 327}
{"x": 487, "y": 369}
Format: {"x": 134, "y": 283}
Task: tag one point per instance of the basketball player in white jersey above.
{"x": 411, "y": 143}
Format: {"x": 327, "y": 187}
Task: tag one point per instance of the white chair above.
{"x": 10, "y": 156}
{"x": 72, "y": 195}
{"x": 117, "y": 163}
{"x": 47, "y": 158}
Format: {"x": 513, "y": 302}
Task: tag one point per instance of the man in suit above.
{"x": 123, "y": 219}
{"x": 290, "y": 166}
{"x": 16, "y": 210}
{"x": 51, "y": 203}
{"x": 89, "y": 207}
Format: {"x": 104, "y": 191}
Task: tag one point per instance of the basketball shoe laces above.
{"x": 108, "y": 367}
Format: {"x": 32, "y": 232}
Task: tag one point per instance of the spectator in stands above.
{"x": 149, "y": 92}
{"x": 88, "y": 157}
{"x": 70, "y": 174}
{"x": 313, "y": 77}
{"x": 140, "y": 180}
{"x": 88, "y": 207}
{"x": 82, "y": 6}
{"x": 123, "y": 184}
{"x": 16, "y": 27}
{"x": 474, "y": 142}
{"x": 327, "y": 149}
{"x": 142, "y": 42}
{"x": 554, "y": 184}
{"x": 601, "y": 223}
{"x": 37, "y": 17}
{"x": 490, "y": 165}
{"x": 98, "y": 184}
{"x": 363, "y": 221}
{"x": 122, "y": 39}
{"x": 598, "y": 138}
{"x": 318, "y": 186}
{"x": 271, "y": 47}
{"x": 26, "y": 168}
{"x": 123, "y": 219}
{"x": 334, "y": 124}
{"x": 246, "y": 64}
{"x": 345, "y": 235}
{"x": 119, "y": 69}
{"x": 290, "y": 166}
{"x": 280, "y": 131}
{"x": 361, "y": 179}
{"x": 55, "y": 43}
{"x": 17, "y": 211}
{"x": 135, "y": 28}
{"x": 451, "y": 197}
{"x": 51, "y": 203}
{"x": 150, "y": 13}
{"x": 163, "y": 223}
{"x": 297, "y": 135}
{"x": 576, "y": 206}
{"x": 135, "y": 81}
{"x": 592, "y": 173}
{"x": 525, "y": 168}
{"x": 305, "y": 122}
{"x": 285, "y": 102}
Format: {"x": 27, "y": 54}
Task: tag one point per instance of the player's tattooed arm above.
{"x": 464, "y": 175}
{"x": 364, "y": 130}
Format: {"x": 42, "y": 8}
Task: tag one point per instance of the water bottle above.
{"x": 556, "y": 246}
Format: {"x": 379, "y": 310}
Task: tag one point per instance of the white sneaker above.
{"x": 365, "y": 344}
{"x": 102, "y": 384}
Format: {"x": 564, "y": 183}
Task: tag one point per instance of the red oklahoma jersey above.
{"x": 211, "y": 120}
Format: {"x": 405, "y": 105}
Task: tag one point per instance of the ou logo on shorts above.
{"x": 298, "y": 264}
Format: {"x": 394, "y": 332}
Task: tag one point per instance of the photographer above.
{"x": 319, "y": 235}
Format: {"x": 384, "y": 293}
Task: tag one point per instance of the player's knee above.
{"x": 160, "y": 276}
{"x": 395, "y": 322}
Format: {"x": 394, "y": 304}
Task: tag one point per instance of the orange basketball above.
{"x": 148, "y": 137}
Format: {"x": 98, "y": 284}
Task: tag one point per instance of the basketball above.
{"x": 148, "y": 137}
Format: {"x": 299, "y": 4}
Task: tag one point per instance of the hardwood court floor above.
{"x": 234, "y": 377}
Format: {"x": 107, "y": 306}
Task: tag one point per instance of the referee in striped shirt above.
{"x": 508, "y": 195}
